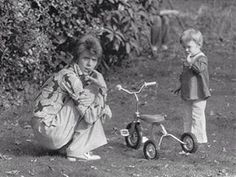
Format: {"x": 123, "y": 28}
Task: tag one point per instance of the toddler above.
{"x": 194, "y": 84}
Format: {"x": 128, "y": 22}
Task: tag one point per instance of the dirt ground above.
{"x": 20, "y": 155}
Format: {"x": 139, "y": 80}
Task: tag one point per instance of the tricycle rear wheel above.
{"x": 190, "y": 142}
{"x": 150, "y": 150}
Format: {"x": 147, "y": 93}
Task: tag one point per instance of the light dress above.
{"x": 60, "y": 117}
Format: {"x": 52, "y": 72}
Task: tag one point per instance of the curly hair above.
{"x": 89, "y": 44}
{"x": 191, "y": 35}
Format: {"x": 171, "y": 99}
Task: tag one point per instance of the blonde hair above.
{"x": 191, "y": 35}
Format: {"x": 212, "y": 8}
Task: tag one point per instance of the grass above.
{"x": 21, "y": 156}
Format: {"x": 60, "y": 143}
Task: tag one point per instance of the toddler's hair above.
{"x": 89, "y": 44}
{"x": 191, "y": 35}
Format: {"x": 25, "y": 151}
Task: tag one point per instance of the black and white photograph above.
{"x": 117, "y": 88}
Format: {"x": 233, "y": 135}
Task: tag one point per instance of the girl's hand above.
{"x": 97, "y": 79}
{"x": 106, "y": 114}
{"x": 85, "y": 99}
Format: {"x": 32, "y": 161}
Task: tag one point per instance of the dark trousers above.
{"x": 159, "y": 31}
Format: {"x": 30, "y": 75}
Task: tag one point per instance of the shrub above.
{"x": 37, "y": 36}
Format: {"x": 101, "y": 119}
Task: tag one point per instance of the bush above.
{"x": 37, "y": 36}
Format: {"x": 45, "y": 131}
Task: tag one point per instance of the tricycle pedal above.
{"x": 124, "y": 132}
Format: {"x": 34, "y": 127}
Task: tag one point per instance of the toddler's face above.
{"x": 191, "y": 48}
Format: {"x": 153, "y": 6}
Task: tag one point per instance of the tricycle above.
{"x": 134, "y": 136}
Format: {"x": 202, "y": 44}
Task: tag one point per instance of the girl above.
{"x": 71, "y": 104}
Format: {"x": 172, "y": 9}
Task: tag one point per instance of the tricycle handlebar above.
{"x": 145, "y": 84}
{"x": 149, "y": 83}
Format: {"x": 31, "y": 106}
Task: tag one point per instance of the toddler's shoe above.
{"x": 154, "y": 51}
{"x": 84, "y": 157}
{"x": 184, "y": 153}
{"x": 202, "y": 150}
{"x": 164, "y": 47}
{"x": 154, "y": 48}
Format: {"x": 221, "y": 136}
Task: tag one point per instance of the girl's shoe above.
{"x": 84, "y": 157}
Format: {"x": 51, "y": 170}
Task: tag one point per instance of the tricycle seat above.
{"x": 152, "y": 118}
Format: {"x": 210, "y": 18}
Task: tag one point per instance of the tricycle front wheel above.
{"x": 190, "y": 142}
{"x": 150, "y": 150}
{"x": 134, "y": 139}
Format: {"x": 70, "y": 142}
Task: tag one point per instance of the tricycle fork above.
{"x": 165, "y": 134}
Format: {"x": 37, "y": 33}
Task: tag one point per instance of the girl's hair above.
{"x": 89, "y": 44}
{"x": 191, "y": 35}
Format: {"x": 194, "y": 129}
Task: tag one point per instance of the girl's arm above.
{"x": 83, "y": 100}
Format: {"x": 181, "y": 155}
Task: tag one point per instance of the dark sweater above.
{"x": 195, "y": 79}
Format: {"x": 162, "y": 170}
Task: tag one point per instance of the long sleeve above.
{"x": 87, "y": 101}
{"x": 195, "y": 79}
{"x": 72, "y": 84}
{"x": 94, "y": 111}
{"x": 199, "y": 65}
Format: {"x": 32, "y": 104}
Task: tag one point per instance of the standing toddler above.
{"x": 194, "y": 86}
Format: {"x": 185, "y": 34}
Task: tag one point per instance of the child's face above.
{"x": 87, "y": 63}
{"x": 191, "y": 48}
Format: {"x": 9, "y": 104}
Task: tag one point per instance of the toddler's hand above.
{"x": 177, "y": 91}
{"x": 189, "y": 60}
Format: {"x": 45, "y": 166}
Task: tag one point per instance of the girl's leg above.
{"x": 164, "y": 31}
{"x": 86, "y": 138}
{"x": 156, "y": 33}
{"x": 187, "y": 118}
{"x": 61, "y": 129}
{"x": 199, "y": 121}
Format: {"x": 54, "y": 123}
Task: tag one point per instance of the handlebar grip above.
{"x": 150, "y": 83}
{"x": 118, "y": 87}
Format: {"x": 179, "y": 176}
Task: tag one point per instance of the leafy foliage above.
{"x": 37, "y": 36}
{"x": 122, "y": 31}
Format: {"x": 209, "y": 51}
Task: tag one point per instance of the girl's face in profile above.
{"x": 87, "y": 62}
{"x": 191, "y": 48}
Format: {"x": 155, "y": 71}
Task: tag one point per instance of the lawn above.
{"x": 21, "y": 156}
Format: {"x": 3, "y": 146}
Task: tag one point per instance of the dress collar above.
{"x": 194, "y": 57}
{"x": 197, "y": 54}
{"x": 79, "y": 73}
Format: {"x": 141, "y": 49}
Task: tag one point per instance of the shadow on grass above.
{"x": 12, "y": 147}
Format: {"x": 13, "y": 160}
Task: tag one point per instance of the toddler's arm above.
{"x": 199, "y": 65}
